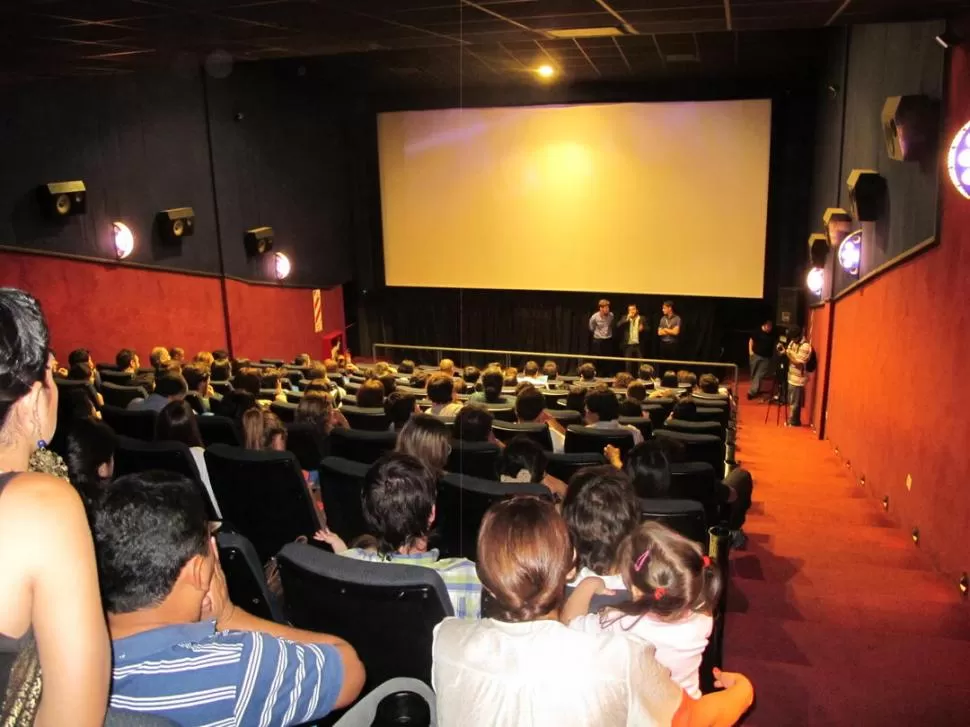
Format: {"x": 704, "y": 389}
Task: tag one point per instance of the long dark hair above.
{"x": 90, "y": 444}
{"x": 177, "y": 423}
{"x": 24, "y": 347}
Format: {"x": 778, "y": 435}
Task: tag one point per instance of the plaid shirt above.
{"x": 801, "y": 352}
{"x": 458, "y": 574}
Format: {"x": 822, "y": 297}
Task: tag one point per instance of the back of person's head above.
{"x": 629, "y": 408}
{"x": 427, "y": 439}
{"x": 236, "y": 403}
{"x": 158, "y": 356}
{"x": 524, "y": 559}
{"x": 510, "y": 376}
{"x": 399, "y": 407}
{"x": 177, "y": 353}
{"x": 637, "y": 392}
{"x": 220, "y": 354}
{"x": 371, "y": 394}
{"x": 587, "y": 372}
{"x": 550, "y": 370}
{"x": 473, "y": 423}
{"x": 389, "y": 382}
{"x": 79, "y": 372}
{"x": 381, "y": 368}
{"x": 324, "y": 385}
{"x": 794, "y": 333}
{"x": 531, "y": 369}
{"x": 418, "y": 380}
{"x": 246, "y": 381}
{"x": 603, "y": 403}
{"x": 471, "y": 374}
{"x": 263, "y": 430}
{"x": 669, "y": 379}
{"x": 316, "y": 370}
{"x": 89, "y": 455}
{"x": 238, "y": 364}
{"x": 171, "y": 386}
{"x": 708, "y": 383}
{"x": 529, "y": 404}
{"x": 622, "y": 380}
{"x": 690, "y": 379}
{"x": 147, "y": 527}
{"x": 645, "y": 373}
{"x": 220, "y": 370}
{"x": 78, "y": 356}
{"x": 669, "y": 576}
{"x": 124, "y": 358}
{"x": 270, "y": 378}
{"x": 196, "y": 376}
{"x": 316, "y": 408}
{"x": 492, "y": 382}
{"x": 447, "y": 366}
{"x": 398, "y": 500}
{"x": 522, "y": 386}
{"x": 177, "y": 423}
{"x": 204, "y": 359}
{"x": 685, "y": 409}
{"x": 648, "y": 468}
{"x": 522, "y": 460}
{"x": 600, "y": 509}
{"x": 576, "y": 399}
{"x": 406, "y": 366}
{"x": 301, "y": 359}
{"x": 682, "y": 376}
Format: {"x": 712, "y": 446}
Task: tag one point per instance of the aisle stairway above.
{"x": 835, "y": 615}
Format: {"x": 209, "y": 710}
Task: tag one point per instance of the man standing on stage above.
{"x": 669, "y": 332}
{"x": 601, "y": 326}
{"x": 630, "y": 327}
{"x": 761, "y": 351}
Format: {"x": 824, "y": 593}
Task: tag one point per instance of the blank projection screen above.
{"x": 654, "y": 198}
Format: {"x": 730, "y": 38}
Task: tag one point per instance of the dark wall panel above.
{"x": 827, "y": 178}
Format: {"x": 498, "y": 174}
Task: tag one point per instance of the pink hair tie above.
{"x": 659, "y": 593}
{"x": 641, "y": 560}
{"x": 707, "y": 562}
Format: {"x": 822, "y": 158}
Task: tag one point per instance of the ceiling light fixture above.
{"x": 124, "y": 240}
{"x": 610, "y": 31}
{"x": 545, "y": 71}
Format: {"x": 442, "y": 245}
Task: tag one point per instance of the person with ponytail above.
{"x": 55, "y": 656}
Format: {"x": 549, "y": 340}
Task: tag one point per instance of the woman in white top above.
{"x": 177, "y": 423}
{"x": 520, "y": 667}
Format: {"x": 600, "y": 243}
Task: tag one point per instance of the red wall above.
{"x": 818, "y": 332}
{"x": 108, "y": 307}
{"x": 898, "y": 402}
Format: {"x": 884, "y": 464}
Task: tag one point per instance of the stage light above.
{"x": 958, "y": 161}
{"x": 545, "y": 71}
{"x": 815, "y": 280}
{"x": 850, "y": 253}
{"x": 124, "y": 240}
{"x": 282, "y": 266}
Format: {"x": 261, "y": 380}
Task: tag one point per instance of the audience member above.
{"x": 398, "y": 501}
{"x": 510, "y": 377}
{"x": 158, "y": 357}
{"x": 167, "y": 388}
{"x": 246, "y": 380}
{"x": 399, "y": 408}
{"x": 418, "y": 380}
{"x": 550, "y": 370}
{"x": 177, "y": 423}
{"x": 85, "y": 372}
{"x": 316, "y": 407}
{"x": 473, "y": 423}
{"x": 669, "y": 380}
{"x": 271, "y": 385}
{"x": 708, "y": 387}
{"x": 302, "y": 359}
{"x": 220, "y": 354}
{"x": 182, "y": 649}
{"x": 200, "y": 393}
{"x": 426, "y": 439}
{"x": 127, "y": 361}
{"x": 447, "y": 366}
{"x": 530, "y": 408}
{"x": 82, "y": 355}
{"x": 637, "y": 392}
{"x": 471, "y": 375}
{"x": 389, "y": 382}
{"x": 685, "y": 410}
{"x": 645, "y": 373}
{"x": 220, "y": 371}
{"x": 235, "y": 404}
{"x": 441, "y": 392}
{"x": 630, "y": 408}
{"x": 492, "y": 382}
{"x": 263, "y": 431}
{"x": 523, "y": 460}
{"x": 405, "y": 367}
{"x": 673, "y": 587}
{"x": 58, "y": 371}
{"x": 587, "y": 374}
{"x": 602, "y": 409}
{"x": 177, "y": 354}
{"x": 370, "y": 395}
{"x": 55, "y": 656}
{"x": 622, "y": 380}
{"x": 89, "y": 455}
{"x": 648, "y": 468}
{"x": 204, "y": 359}
{"x": 576, "y": 398}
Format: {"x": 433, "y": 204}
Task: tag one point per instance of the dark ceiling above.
{"x": 436, "y": 42}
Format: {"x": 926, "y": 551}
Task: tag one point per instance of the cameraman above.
{"x": 761, "y": 350}
{"x": 798, "y": 352}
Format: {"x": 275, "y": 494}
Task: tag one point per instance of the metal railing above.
{"x": 440, "y": 351}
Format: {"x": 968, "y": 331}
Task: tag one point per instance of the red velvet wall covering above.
{"x": 818, "y": 330}
{"x": 897, "y": 402}
{"x": 107, "y": 307}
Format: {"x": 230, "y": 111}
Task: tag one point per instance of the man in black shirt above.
{"x": 761, "y": 350}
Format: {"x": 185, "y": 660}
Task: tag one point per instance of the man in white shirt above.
{"x": 630, "y": 327}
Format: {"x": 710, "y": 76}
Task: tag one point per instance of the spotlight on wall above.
{"x": 816, "y": 280}
{"x": 545, "y": 71}
{"x": 850, "y": 253}
{"x": 176, "y": 223}
{"x": 282, "y": 266}
{"x": 124, "y": 240}
{"x": 958, "y": 160}
{"x": 259, "y": 241}
{"x": 62, "y": 199}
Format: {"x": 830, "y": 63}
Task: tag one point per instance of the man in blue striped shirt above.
{"x": 182, "y": 649}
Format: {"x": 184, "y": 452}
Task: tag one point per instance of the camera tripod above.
{"x": 779, "y": 392}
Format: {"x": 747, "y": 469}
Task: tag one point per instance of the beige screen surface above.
{"x": 665, "y": 198}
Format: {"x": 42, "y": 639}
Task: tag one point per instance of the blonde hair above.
{"x": 426, "y": 439}
{"x": 260, "y": 428}
{"x": 205, "y": 358}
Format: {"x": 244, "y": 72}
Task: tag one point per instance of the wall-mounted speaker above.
{"x": 818, "y": 249}
{"x": 867, "y": 190}
{"x": 786, "y": 312}
{"x": 911, "y": 125}
{"x": 62, "y": 199}
{"x": 176, "y": 223}
{"x": 259, "y": 241}
{"x": 837, "y": 223}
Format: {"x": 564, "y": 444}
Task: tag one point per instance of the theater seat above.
{"x": 642, "y": 423}
{"x": 122, "y": 378}
{"x": 566, "y": 416}
{"x": 284, "y": 410}
{"x": 656, "y": 413}
{"x": 585, "y": 439}
{"x": 272, "y": 361}
{"x": 139, "y": 424}
{"x": 294, "y": 397}
{"x": 262, "y": 495}
{"x": 341, "y": 485}
{"x": 308, "y": 443}
{"x": 120, "y": 395}
{"x": 217, "y": 429}
{"x": 245, "y": 576}
{"x": 221, "y": 387}
{"x": 501, "y": 412}
{"x": 692, "y": 427}
{"x": 477, "y": 459}
{"x": 388, "y": 612}
{"x": 564, "y": 466}
{"x": 721, "y": 415}
{"x": 687, "y": 517}
{"x": 462, "y": 503}
{"x": 371, "y": 419}
{"x": 698, "y": 447}
{"x": 539, "y": 433}
{"x": 361, "y": 446}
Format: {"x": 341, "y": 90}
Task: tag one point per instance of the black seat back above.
{"x": 656, "y": 413}
{"x": 587, "y": 439}
{"x": 564, "y": 466}
{"x": 361, "y": 446}
{"x": 686, "y": 517}
{"x": 262, "y": 495}
{"x": 308, "y": 443}
{"x": 284, "y": 410}
{"x": 139, "y": 424}
{"x": 388, "y": 612}
{"x": 699, "y": 447}
{"x": 217, "y": 429}
{"x": 721, "y": 415}
{"x": 642, "y": 423}
{"x": 245, "y": 576}
{"x": 539, "y": 433}
{"x": 462, "y": 503}
{"x": 120, "y": 395}
{"x": 477, "y": 459}
{"x": 121, "y": 378}
{"x": 566, "y": 417}
{"x": 371, "y": 419}
{"x": 691, "y": 427}
{"x": 501, "y": 412}
{"x": 341, "y": 484}
{"x": 221, "y": 387}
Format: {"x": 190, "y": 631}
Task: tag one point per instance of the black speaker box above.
{"x": 176, "y": 223}
{"x": 786, "y": 311}
{"x": 867, "y": 190}
{"x": 818, "y": 249}
{"x": 911, "y": 125}
{"x": 259, "y": 241}
{"x": 62, "y": 199}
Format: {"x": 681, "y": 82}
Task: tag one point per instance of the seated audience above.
{"x": 645, "y": 373}
{"x": 398, "y": 500}
{"x": 602, "y": 409}
{"x": 622, "y": 380}
{"x": 271, "y": 386}
{"x": 576, "y": 398}
{"x": 200, "y": 392}
{"x": 370, "y": 395}
{"x": 686, "y": 379}
{"x": 55, "y": 658}
{"x": 426, "y": 439}
{"x": 600, "y": 509}
{"x": 220, "y": 371}
{"x": 246, "y": 380}
{"x": 550, "y": 370}
{"x": 685, "y": 410}
{"x": 204, "y": 359}
{"x": 235, "y": 404}
{"x": 406, "y": 367}
{"x": 177, "y": 423}
{"x": 399, "y": 408}
{"x": 167, "y": 388}
{"x": 332, "y": 370}
{"x": 127, "y": 361}
{"x": 492, "y": 382}
{"x": 441, "y": 392}
{"x": 510, "y": 377}
{"x": 447, "y": 366}
{"x": 647, "y": 466}
{"x": 90, "y": 456}
{"x": 301, "y": 359}
{"x": 523, "y": 460}
{"x": 473, "y": 423}
{"x": 83, "y": 356}
{"x": 220, "y": 354}
{"x": 389, "y": 382}
{"x": 86, "y": 372}
{"x": 263, "y": 431}
{"x": 158, "y": 357}
{"x": 418, "y": 380}
{"x": 669, "y": 380}
{"x": 316, "y": 407}
{"x": 637, "y": 392}
{"x": 58, "y": 371}
{"x": 182, "y": 649}
{"x": 381, "y": 368}
{"x": 630, "y": 408}
{"x": 530, "y": 408}
{"x": 177, "y": 354}
{"x": 587, "y": 374}
{"x": 520, "y": 666}
{"x": 471, "y": 375}
{"x": 673, "y": 587}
